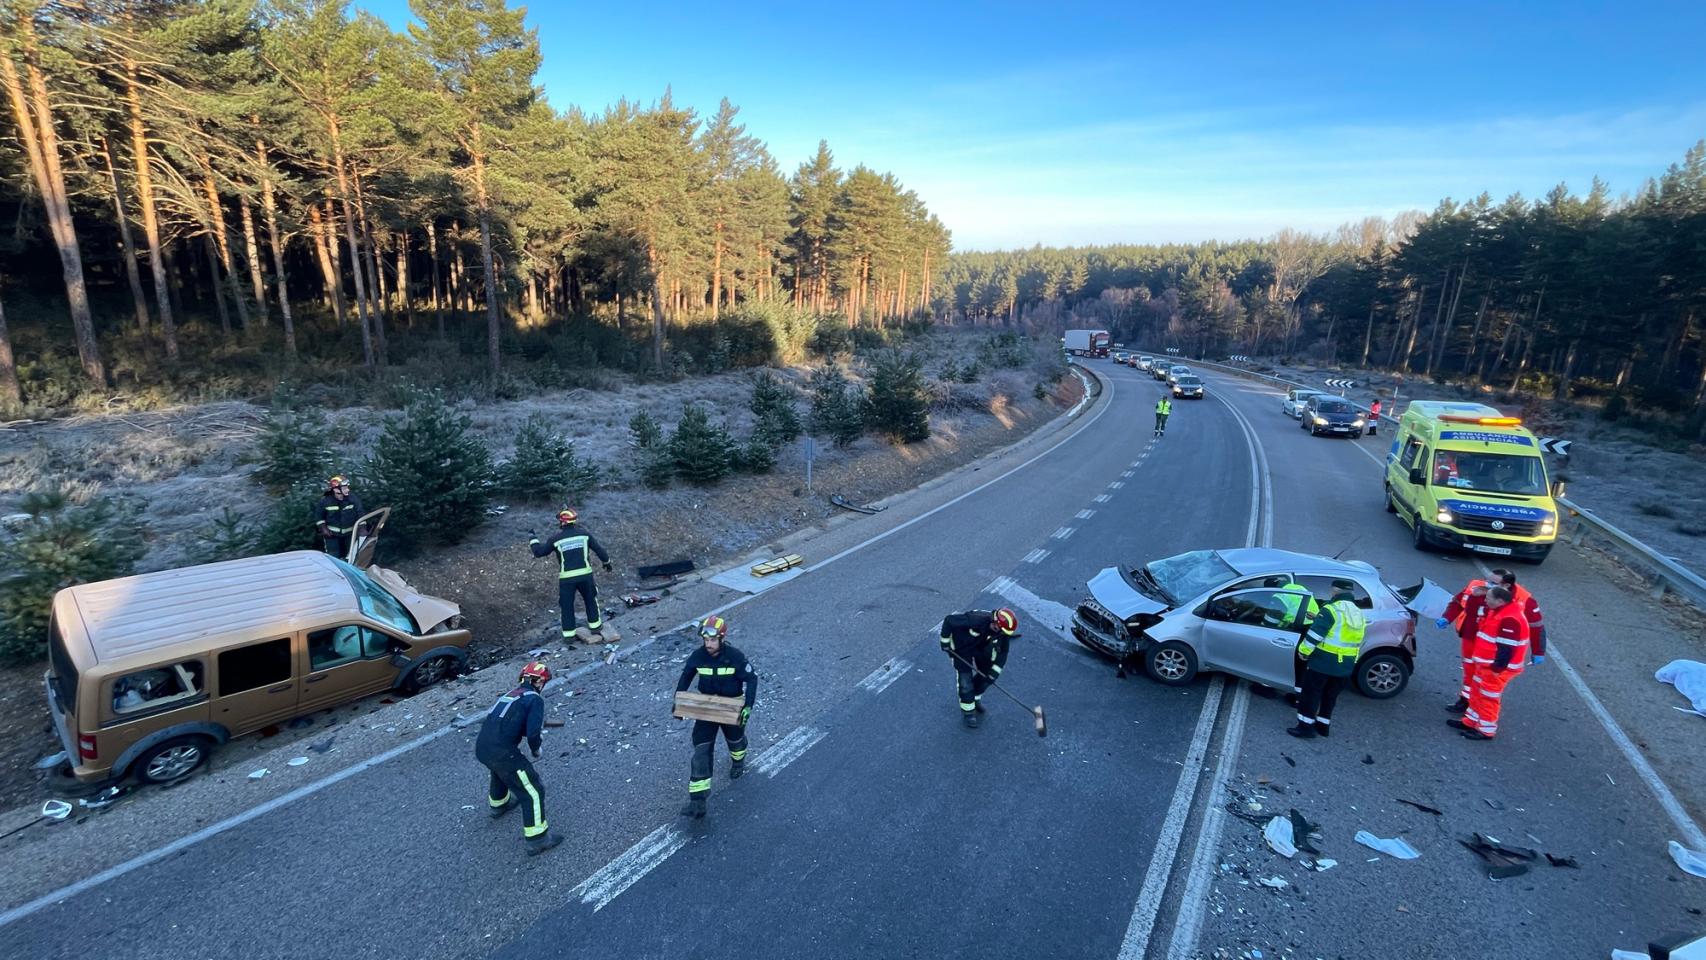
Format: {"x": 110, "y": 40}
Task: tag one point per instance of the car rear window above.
{"x": 64, "y": 672}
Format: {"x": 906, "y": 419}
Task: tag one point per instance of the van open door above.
{"x": 366, "y": 540}
{"x": 1427, "y": 599}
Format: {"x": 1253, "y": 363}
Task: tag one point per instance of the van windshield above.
{"x": 377, "y": 602}
{"x": 1490, "y": 473}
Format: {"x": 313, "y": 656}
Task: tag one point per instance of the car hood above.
{"x": 1111, "y": 590}
{"x": 428, "y": 611}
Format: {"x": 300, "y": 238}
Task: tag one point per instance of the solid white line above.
{"x": 880, "y": 678}
{"x": 160, "y": 853}
{"x": 626, "y": 870}
{"x": 787, "y": 750}
{"x": 1103, "y": 498}
{"x": 973, "y": 491}
{"x": 1064, "y": 532}
{"x": 1135, "y": 946}
{"x": 1194, "y": 902}
{"x": 1085, "y": 514}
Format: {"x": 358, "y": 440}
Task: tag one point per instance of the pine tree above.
{"x": 773, "y": 404}
{"x": 701, "y": 449}
{"x": 895, "y": 400}
{"x": 545, "y": 465}
{"x": 61, "y": 544}
{"x": 643, "y": 430}
{"x": 837, "y": 410}
{"x": 433, "y": 473}
{"x": 294, "y": 447}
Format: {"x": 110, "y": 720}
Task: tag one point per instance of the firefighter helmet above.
{"x": 714, "y": 627}
{"x": 337, "y": 481}
{"x": 536, "y": 671}
{"x": 1005, "y": 621}
{"x": 567, "y": 515}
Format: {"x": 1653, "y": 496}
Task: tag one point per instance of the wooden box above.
{"x": 703, "y": 706}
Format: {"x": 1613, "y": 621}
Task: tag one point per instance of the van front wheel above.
{"x": 173, "y": 760}
{"x": 430, "y": 672}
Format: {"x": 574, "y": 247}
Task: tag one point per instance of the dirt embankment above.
{"x": 1655, "y": 494}
{"x": 185, "y": 467}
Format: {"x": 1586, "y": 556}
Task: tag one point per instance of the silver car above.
{"x": 1224, "y": 610}
{"x": 1295, "y": 398}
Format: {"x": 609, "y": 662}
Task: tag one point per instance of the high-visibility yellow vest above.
{"x": 1344, "y": 640}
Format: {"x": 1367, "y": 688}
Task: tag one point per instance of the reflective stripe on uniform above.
{"x": 723, "y": 671}
{"x": 539, "y": 824}
{"x": 563, "y": 547}
{"x": 707, "y": 671}
{"x": 737, "y": 755}
{"x": 699, "y": 786}
{"x": 499, "y": 803}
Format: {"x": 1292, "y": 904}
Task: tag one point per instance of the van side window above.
{"x": 1412, "y": 448}
{"x": 148, "y": 689}
{"x": 1325, "y": 588}
{"x": 346, "y": 644}
{"x": 255, "y": 665}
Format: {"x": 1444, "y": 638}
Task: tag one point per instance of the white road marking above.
{"x": 1035, "y": 556}
{"x": 1192, "y": 905}
{"x": 1135, "y": 946}
{"x": 1116, "y": 485}
{"x": 160, "y": 853}
{"x": 1128, "y": 473}
{"x": 787, "y": 750}
{"x": 1064, "y": 532}
{"x": 1103, "y": 498}
{"x": 1056, "y": 617}
{"x": 1085, "y": 514}
{"x": 880, "y": 678}
{"x": 626, "y": 870}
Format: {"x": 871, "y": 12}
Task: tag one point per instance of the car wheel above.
{"x": 429, "y": 672}
{"x": 1419, "y": 534}
{"x": 1382, "y": 676}
{"x": 1172, "y": 663}
{"x": 173, "y": 760}
{"x": 1391, "y": 507}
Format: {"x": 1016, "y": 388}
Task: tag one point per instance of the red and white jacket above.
{"x": 1524, "y": 601}
{"x": 1501, "y": 643}
{"x": 1466, "y": 608}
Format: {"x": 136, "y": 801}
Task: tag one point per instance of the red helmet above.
{"x": 714, "y": 627}
{"x": 336, "y": 482}
{"x": 567, "y": 515}
{"x": 1005, "y": 621}
{"x": 536, "y": 671}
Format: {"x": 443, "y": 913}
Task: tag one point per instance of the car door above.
{"x": 1246, "y": 632}
{"x": 256, "y": 685}
{"x": 344, "y": 662}
{"x": 366, "y": 541}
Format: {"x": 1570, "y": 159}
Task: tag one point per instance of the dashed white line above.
{"x": 880, "y": 678}
{"x": 626, "y": 870}
{"x": 1084, "y": 514}
{"x": 1102, "y": 498}
{"x": 1128, "y": 473}
{"x": 1116, "y": 485}
{"x": 1063, "y": 533}
{"x": 1035, "y": 556}
{"x": 787, "y": 750}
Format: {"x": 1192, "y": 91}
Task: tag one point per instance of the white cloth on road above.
{"x": 1691, "y": 861}
{"x": 1395, "y": 847}
{"x": 1689, "y": 679}
{"x": 1278, "y": 835}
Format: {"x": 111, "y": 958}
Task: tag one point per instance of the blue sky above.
{"x": 1070, "y": 123}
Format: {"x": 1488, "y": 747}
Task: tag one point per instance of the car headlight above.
{"x": 1548, "y": 527}
{"x": 1320, "y": 421}
{"x": 1357, "y": 422}
{"x": 1444, "y": 516}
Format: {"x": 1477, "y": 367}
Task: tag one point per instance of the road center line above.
{"x": 1194, "y": 902}
{"x": 787, "y": 750}
{"x": 880, "y": 678}
{"x": 1085, "y": 514}
{"x": 626, "y": 870}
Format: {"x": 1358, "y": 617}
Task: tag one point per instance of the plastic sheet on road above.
{"x": 1395, "y": 847}
{"x": 1689, "y": 679}
{"x": 740, "y": 578}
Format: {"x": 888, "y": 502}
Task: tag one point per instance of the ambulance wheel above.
{"x": 1419, "y": 535}
{"x": 1391, "y": 507}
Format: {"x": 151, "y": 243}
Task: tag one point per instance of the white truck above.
{"x": 1087, "y": 343}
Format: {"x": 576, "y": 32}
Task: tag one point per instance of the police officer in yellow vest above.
{"x": 575, "y": 548}
{"x": 1163, "y": 408}
{"x": 1330, "y": 650}
{"x": 1299, "y": 607}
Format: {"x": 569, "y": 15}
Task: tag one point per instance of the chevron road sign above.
{"x": 1555, "y": 445}
{"x": 1340, "y": 385}
{"x": 1240, "y": 358}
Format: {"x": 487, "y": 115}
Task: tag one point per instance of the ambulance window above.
{"x": 1411, "y": 449}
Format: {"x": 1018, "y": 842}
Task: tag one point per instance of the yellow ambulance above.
{"x": 1466, "y": 477}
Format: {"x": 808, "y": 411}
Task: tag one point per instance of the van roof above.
{"x": 1432, "y": 409}
{"x": 204, "y": 607}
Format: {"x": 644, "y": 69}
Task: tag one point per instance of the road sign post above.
{"x": 811, "y": 454}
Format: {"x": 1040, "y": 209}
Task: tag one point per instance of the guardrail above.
{"x": 1663, "y": 573}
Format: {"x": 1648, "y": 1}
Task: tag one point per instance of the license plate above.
{"x": 1498, "y": 551}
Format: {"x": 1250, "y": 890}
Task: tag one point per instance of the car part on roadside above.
{"x": 672, "y": 568}
{"x": 846, "y": 504}
{"x": 1421, "y": 806}
{"x": 1503, "y": 861}
{"x": 640, "y": 599}
{"x": 1040, "y": 721}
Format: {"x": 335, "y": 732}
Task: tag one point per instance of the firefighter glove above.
{"x": 606, "y": 566}
{"x": 745, "y": 715}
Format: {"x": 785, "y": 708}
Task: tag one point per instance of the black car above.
{"x": 1335, "y": 416}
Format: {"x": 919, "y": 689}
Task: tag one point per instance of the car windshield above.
{"x": 1189, "y": 381}
{"x": 1490, "y": 472}
{"x": 376, "y": 601}
{"x": 1335, "y": 406}
{"x": 1188, "y": 574}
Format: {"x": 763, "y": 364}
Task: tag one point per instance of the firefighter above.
{"x": 1466, "y": 610}
{"x": 978, "y": 641}
{"x": 1530, "y": 611}
{"x": 723, "y": 671}
{"x": 1330, "y": 649}
{"x": 1163, "y": 408}
{"x": 518, "y": 714}
{"x": 1501, "y": 650}
{"x": 335, "y": 516}
{"x": 575, "y": 548}
{"x": 1300, "y": 608}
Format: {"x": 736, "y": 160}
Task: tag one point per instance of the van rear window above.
{"x": 64, "y": 672}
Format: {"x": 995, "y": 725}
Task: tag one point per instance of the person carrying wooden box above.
{"x": 722, "y": 671}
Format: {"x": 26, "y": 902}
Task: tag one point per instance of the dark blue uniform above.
{"x": 728, "y": 674}
{"x": 518, "y": 714}
{"x": 339, "y": 516}
{"x": 975, "y": 642}
{"x": 574, "y": 548}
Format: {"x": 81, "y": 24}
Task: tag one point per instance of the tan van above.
{"x": 147, "y": 674}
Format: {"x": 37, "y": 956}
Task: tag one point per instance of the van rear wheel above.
{"x": 173, "y": 760}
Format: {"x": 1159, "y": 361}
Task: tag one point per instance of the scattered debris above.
{"x": 1422, "y": 807}
{"x": 777, "y": 565}
{"x": 322, "y": 746}
{"x": 1322, "y": 865}
{"x": 48, "y": 763}
{"x": 1368, "y": 758}
{"x": 1558, "y": 861}
{"x": 496, "y": 511}
{"x": 1691, "y": 861}
{"x": 1288, "y": 760}
{"x": 55, "y": 809}
{"x": 1279, "y": 837}
{"x": 845, "y": 504}
{"x": 1395, "y": 847}
{"x": 1503, "y": 862}
{"x": 1301, "y": 830}
{"x": 1608, "y": 778}
{"x": 610, "y": 657}
{"x": 105, "y": 798}
{"x": 537, "y": 652}
{"x": 297, "y": 761}
{"x": 1273, "y": 883}
{"x": 1495, "y": 804}
{"x": 555, "y": 723}
{"x": 640, "y": 599}
{"x": 462, "y": 721}
{"x": 257, "y": 774}
{"x": 672, "y": 568}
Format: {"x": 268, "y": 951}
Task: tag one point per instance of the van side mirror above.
{"x": 1416, "y": 476}
{"x": 1558, "y": 486}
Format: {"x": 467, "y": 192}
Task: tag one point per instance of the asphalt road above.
{"x": 874, "y": 824}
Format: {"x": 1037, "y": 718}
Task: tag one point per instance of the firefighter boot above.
{"x": 542, "y": 843}
{"x": 970, "y": 718}
{"x": 737, "y": 769}
{"x": 505, "y": 807}
{"x": 695, "y": 807}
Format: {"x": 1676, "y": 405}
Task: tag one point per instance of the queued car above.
{"x": 1178, "y": 370}
{"x": 1332, "y": 416}
{"x": 1120, "y": 356}
{"x": 1143, "y": 361}
{"x": 1188, "y": 385}
{"x": 1295, "y": 398}
{"x": 1228, "y": 611}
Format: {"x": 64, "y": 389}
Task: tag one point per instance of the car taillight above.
{"x": 86, "y": 747}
